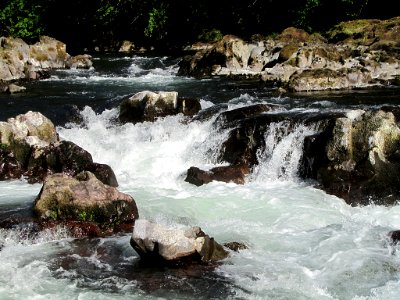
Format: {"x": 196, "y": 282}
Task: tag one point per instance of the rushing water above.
{"x": 302, "y": 243}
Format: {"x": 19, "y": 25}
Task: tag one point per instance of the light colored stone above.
{"x": 174, "y": 244}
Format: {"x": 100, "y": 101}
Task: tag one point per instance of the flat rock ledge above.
{"x": 84, "y": 204}
{"x": 159, "y": 245}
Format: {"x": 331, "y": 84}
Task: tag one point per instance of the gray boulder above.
{"x": 160, "y": 245}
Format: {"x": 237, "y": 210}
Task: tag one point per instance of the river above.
{"x": 302, "y": 243}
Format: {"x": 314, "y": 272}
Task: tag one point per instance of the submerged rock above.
{"x": 84, "y": 198}
{"x": 394, "y": 236}
{"x": 236, "y": 246}
{"x": 160, "y": 245}
{"x": 13, "y": 89}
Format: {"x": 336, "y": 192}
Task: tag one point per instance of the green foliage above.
{"x": 157, "y": 20}
{"x": 20, "y": 18}
{"x": 211, "y": 35}
{"x": 303, "y": 15}
{"x": 309, "y": 13}
{"x": 88, "y": 23}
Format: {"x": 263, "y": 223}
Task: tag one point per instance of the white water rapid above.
{"x": 302, "y": 243}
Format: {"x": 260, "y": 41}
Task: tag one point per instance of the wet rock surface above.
{"x": 353, "y": 154}
{"x": 116, "y": 264}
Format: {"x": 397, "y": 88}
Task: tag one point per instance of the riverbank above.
{"x": 352, "y": 55}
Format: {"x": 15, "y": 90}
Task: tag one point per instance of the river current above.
{"x": 302, "y": 243}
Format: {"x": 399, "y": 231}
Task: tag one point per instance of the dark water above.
{"x": 62, "y": 96}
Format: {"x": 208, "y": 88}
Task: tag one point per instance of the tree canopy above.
{"x": 85, "y": 23}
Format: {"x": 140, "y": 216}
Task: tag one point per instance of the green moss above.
{"x": 86, "y": 216}
{"x": 356, "y": 29}
{"x": 4, "y": 147}
{"x": 212, "y": 35}
{"x": 287, "y": 51}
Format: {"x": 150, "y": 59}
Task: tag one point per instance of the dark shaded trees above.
{"x": 160, "y": 23}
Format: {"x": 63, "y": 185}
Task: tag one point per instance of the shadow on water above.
{"x": 112, "y": 266}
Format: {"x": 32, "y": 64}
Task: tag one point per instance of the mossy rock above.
{"x": 83, "y": 198}
{"x": 287, "y": 52}
{"x": 293, "y": 35}
{"x": 366, "y": 32}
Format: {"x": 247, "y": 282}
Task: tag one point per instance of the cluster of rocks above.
{"x": 75, "y": 188}
{"x": 353, "y": 54}
{"x": 354, "y": 154}
{"x": 82, "y": 195}
{"x": 20, "y": 61}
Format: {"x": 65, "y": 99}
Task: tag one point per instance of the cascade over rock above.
{"x": 353, "y": 154}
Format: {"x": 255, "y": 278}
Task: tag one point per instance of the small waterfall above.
{"x": 281, "y": 156}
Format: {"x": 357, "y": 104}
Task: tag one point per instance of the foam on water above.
{"x": 303, "y": 243}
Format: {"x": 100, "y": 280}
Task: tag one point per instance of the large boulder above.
{"x": 149, "y": 106}
{"x": 227, "y": 55}
{"x": 48, "y": 53}
{"x": 30, "y": 147}
{"x": 328, "y": 79}
{"x": 25, "y": 132}
{"x": 84, "y": 198}
{"x": 160, "y": 245}
{"x": 82, "y": 61}
{"x": 14, "y": 54}
{"x": 359, "y": 161}
{"x": 373, "y": 33}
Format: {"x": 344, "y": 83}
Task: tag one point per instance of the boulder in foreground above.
{"x": 84, "y": 198}
{"x": 159, "y": 245}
